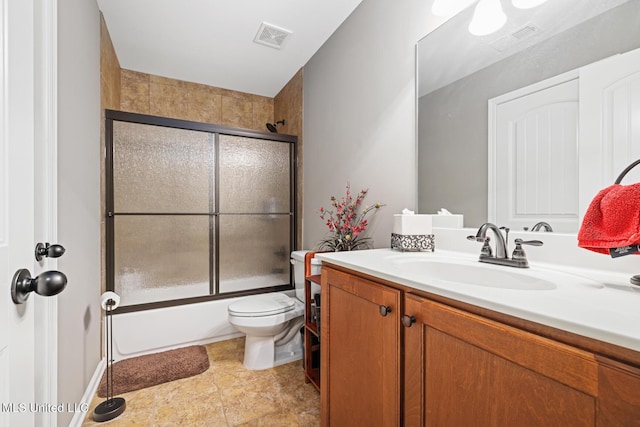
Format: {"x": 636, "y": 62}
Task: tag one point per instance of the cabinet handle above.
{"x": 384, "y": 310}
{"x": 408, "y": 320}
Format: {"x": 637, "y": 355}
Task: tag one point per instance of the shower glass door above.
{"x": 255, "y": 211}
{"x": 196, "y": 212}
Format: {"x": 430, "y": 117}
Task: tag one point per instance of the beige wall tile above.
{"x": 204, "y": 106}
{"x": 237, "y": 95}
{"x": 109, "y": 70}
{"x": 288, "y": 105}
{"x": 237, "y": 112}
{"x": 162, "y": 96}
{"x": 134, "y": 92}
{"x": 135, "y": 75}
{"x": 168, "y": 101}
{"x": 262, "y": 114}
{"x": 167, "y": 81}
{"x": 109, "y": 93}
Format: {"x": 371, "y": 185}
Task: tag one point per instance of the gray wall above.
{"x": 359, "y": 114}
{"x": 78, "y": 197}
{"x": 453, "y": 122}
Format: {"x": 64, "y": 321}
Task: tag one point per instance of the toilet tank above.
{"x": 297, "y": 260}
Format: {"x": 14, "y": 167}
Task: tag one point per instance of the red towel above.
{"x": 612, "y": 219}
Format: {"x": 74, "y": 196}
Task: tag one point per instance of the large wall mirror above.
{"x": 466, "y": 83}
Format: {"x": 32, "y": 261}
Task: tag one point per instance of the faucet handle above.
{"x": 529, "y": 242}
{"x": 486, "y": 247}
{"x": 519, "y": 253}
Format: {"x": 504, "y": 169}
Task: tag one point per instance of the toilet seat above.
{"x": 262, "y": 305}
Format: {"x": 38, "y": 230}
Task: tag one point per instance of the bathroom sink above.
{"x": 466, "y": 272}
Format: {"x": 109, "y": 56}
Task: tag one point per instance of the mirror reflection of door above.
{"x": 609, "y": 123}
{"x": 534, "y": 141}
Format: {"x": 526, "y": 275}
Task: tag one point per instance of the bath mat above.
{"x": 153, "y": 369}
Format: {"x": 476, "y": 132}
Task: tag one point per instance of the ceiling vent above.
{"x": 272, "y": 36}
{"x": 517, "y": 36}
{"x": 524, "y": 32}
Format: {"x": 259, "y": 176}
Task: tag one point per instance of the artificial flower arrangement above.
{"x": 345, "y": 223}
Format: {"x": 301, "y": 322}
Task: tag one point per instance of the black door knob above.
{"x": 384, "y": 310}
{"x": 47, "y": 284}
{"x": 47, "y": 250}
{"x": 408, "y": 320}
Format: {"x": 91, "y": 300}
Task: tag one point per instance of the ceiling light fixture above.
{"x": 527, "y": 4}
{"x": 488, "y": 18}
{"x": 449, "y": 7}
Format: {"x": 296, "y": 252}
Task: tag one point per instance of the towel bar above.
{"x": 628, "y": 168}
{"x": 635, "y": 280}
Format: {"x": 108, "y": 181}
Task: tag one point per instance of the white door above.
{"x": 609, "y": 123}
{"x": 27, "y": 351}
{"x": 535, "y": 158}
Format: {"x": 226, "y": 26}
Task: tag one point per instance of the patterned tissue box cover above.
{"x": 418, "y": 242}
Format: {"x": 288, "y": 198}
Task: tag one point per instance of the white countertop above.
{"x": 593, "y": 303}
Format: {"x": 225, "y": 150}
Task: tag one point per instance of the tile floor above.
{"x": 226, "y": 394}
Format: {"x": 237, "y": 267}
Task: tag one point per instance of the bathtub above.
{"x": 156, "y": 330}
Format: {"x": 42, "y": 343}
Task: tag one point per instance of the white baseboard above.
{"x": 87, "y": 397}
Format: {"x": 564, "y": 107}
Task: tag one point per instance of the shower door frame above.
{"x": 216, "y": 131}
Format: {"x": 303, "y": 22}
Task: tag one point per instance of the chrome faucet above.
{"x": 501, "y": 243}
{"x": 542, "y": 226}
{"x": 518, "y": 258}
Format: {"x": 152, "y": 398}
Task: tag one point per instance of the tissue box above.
{"x": 447, "y": 221}
{"x": 412, "y": 225}
{"x": 419, "y": 242}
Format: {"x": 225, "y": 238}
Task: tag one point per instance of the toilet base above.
{"x": 258, "y": 352}
{"x": 289, "y": 352}
{"x": 261, "y": 353}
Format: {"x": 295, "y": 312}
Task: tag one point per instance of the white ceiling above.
{"x": 211, "y": 41}
{"x": 466, "y": 53}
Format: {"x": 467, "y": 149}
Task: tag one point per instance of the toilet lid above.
{"x": 262, "y": 305}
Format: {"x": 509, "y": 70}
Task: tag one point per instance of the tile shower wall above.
{"x": 137, "y": 92}
{"x": 109, "y": 99}
{"x": 160, "y": 96}
{"x": 288, "y": 105}
{"x": 109, "y": 71}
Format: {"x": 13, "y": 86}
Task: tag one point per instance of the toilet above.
{"x": 272, "y": 321}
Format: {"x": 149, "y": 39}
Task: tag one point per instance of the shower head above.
{"x": 273, "y": 127}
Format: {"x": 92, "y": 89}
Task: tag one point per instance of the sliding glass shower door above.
{"x": 254, "y": 216}
{"x": 196, "y": 211}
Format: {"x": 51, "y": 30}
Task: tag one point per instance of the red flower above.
{"x": 345, "y": 222}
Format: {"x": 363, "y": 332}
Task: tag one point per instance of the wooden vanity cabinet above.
{"x": 360, "y": 345}
{"x": 467, "y": 370}
{"x": 451, "y": 367}
{"x": 618, "y": 394}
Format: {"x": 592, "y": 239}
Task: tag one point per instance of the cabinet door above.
{"x": 463, "y": 369}
{"x": 360, "y": 345}
{"x": 619, "y": 394}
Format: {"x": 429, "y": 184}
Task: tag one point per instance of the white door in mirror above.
{"x": 609, "y": 123}
{"x": 535, "y": 137}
